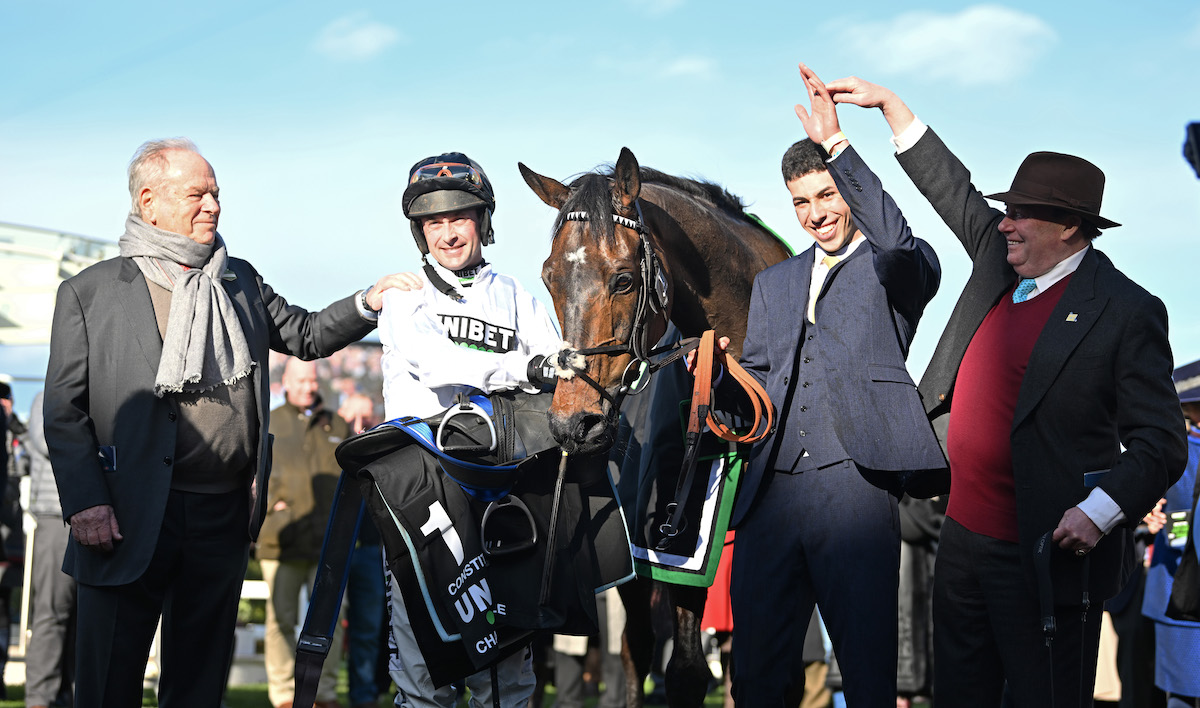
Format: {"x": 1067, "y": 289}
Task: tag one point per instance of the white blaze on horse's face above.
{"x": 578, "y": 256}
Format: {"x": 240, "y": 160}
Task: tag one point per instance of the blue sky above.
{"x": 312, "y": 112}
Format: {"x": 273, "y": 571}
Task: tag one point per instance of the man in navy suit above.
{"x": 1055, "y": 373}
{"x": 817, "y": 518}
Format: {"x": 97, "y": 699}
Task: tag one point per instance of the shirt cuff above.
{"x": 363, "y": 312}
{"x": 1102, "y": 510}
{"x": 909, "y": 136}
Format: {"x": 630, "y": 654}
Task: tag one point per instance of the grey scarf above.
{"x": 204, "y": 346}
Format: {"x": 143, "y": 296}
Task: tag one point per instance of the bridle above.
{"x": 652, "y": 301}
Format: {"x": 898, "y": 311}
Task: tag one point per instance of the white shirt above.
{"x": 1062, "y": 269}
{"x": 435, "y": 347}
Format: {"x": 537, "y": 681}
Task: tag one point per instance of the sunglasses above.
{"x": 456, "y": 170}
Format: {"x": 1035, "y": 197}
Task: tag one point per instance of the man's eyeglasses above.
{"x": 1017, "y": 212}
{"x": 457, "y": 170}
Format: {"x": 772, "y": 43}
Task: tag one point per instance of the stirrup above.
{"x": 500, "y": 547}
{"x": 460, "y": 409}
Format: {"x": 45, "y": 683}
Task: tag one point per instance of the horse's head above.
{"x": 611, "y": 293}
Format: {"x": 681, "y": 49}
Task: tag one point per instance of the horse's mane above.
{"x": 710, "y": 192}
{"x": 591, "y": 193}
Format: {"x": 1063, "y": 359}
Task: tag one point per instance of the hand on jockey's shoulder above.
{"x": 405, "y": 281}
{"x": 400, "y": 281}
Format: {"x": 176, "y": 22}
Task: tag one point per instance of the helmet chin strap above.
{"x": 442, "y": 286}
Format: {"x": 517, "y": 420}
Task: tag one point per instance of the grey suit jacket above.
{"x": 868, "y": 308}
{"x": 1099, "y": 378}
{"x": 104, "y": 354}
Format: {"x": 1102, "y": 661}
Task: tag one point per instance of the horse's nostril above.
{"x": 588, "y": 426}
{"x": 582, "y": 433}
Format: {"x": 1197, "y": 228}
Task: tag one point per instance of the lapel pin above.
{"x": 1071, "y": 317}
{"x": 229, "y": 275}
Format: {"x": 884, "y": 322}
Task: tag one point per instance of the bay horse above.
{"x": 630, "y": 251}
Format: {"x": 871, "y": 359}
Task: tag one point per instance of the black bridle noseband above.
{"x": 652, "y": 300}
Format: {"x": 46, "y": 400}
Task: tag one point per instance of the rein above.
{"x": 568, "y": 362}
{"x": 700, "y": 415}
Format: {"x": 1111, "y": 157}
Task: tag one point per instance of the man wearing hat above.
{"x": 1051, "y": 386}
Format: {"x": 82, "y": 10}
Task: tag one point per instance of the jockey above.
{"x": 459, "y": 326}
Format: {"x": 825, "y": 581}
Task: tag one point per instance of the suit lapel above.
{"x": 1073, "y": 317}
{"x": 238, "y": 283}
{"x": 801, "y": 279}
{"x": 235, "y": 288}
{"x": 134, "y": 295}
{"x": 837, "y": 268}
{"x": 803, "y": 283}
{"x": 796, "y": 318}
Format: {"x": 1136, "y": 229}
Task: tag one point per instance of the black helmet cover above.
{"x": 445, "y": 183}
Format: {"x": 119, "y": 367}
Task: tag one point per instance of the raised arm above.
{"x": 937, "y": 173}
{"x": 868, "y": 95}
{"x": 909, "y": 272}
{"x": 822, "y": 123}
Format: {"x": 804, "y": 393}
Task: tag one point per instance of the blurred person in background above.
{"x": 1176, "y": 642}
{"x": 300, "y": 499}
{"x": 49, "y": 656}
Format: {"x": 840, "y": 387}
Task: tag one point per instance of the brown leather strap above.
{"x": 764, "y": 413}
{"x": 707, "y": 355}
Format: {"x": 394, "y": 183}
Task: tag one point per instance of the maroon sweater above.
{"x": 982, "y": 492}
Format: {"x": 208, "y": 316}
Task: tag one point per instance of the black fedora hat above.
{"x": 1187, "y": 382}
{"x": 1063, "y": 181}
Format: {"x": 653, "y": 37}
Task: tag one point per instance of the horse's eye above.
{"x": 622, "y": 283}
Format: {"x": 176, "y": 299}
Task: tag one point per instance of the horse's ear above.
{"x": 549, "y": 190}
{"x": 627, "y": 183}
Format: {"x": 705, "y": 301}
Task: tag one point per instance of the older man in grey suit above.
{"x": 1063, "y": 431}
{"x": 817, "y": 521}
{"x": 157, "y": 425}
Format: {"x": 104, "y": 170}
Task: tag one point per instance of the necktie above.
{"x": 1026, "y": 286}
{"x": 829, "y": 262}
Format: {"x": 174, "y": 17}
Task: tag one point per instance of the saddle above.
{"x": 490, "y": 532}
